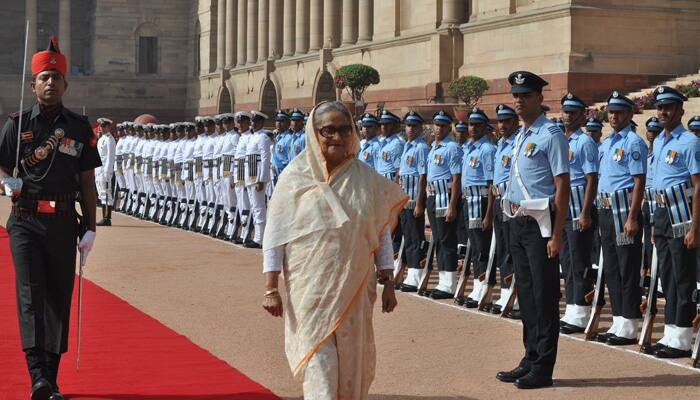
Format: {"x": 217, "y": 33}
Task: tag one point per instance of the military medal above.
{"x": 671, "y": 156}
{"x": 473, "y": 161}
{"x": 409, "y": 161}
{"x": 385, "y": 156}
{"x": 617, "y": 155}
{"x": 571, "y": 155}
{"x": 530, "y": 149}
{"x": 365, "y": 155}
{"x": 41, "y": 153}
{"x": 505, "y": 160}
{"x": 437, "y": 159}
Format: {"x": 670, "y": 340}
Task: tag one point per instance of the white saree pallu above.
{"x": 330, "y": 228}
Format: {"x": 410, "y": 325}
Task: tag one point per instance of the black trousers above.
{"x": 43, "y": 251}
{"x": 480, "y": 241}
{"x": 462, "y": 235}
{"x": 677, "y": 269}
{"x": 445, "y": 236}
{"x": 503, "y": 259}
{"x": 595, "y": 247}
{"x": 648, "y": 246}
{"x": 575, "y": 259}
{"x": 537, "y": 281}
{"x": 413, "y": 235}
{"x": 621, "y": 265}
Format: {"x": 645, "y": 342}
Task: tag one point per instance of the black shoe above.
{"x": 237, "y": 240}
{"x": 408, "y": 288}
{"x": 104, "y": 222}
{"x": 670, "y": 352}
{"x": 569, "y": 329}
{"x": 56, "y": 396}
{"x": 602, "y": 337}
{"x": 471, "y": 303}
{"x": 496, "y": 309}
{"x": 512, "y": 375}
{"x": 41, "y": 390}
{"x": 252, "y": 245}
{"x": 460, "y": 301}
{"x": 487, "y": 308}
{"x": 532, "y": 381}
{"x": 651, "y": 348}
{"x": 515, "y": 314}
{"x": 614, "y": 340}
{"x": 437, "y": 294}
{"x": 425, "y": 293}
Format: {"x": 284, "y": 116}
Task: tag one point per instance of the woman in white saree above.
{"x": 329, "y": 225}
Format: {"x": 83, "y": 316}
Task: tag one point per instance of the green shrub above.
{"x": 469, "y": 89}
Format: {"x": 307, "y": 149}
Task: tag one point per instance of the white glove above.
{"x": 86, "y": 243}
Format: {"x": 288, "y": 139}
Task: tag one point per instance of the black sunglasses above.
{"x": 329, "y": 131}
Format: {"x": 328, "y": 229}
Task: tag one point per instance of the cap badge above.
{"x": 53, "y": 60}
{"x": 569, "y": 96}
{"x": 616, "y": 94}
{"x": 519, "y": 79}
{"x": 661, "y": 89}
{"x": 475, "y": 110}
{"x": 441, "y": 112}
{"x": 500, "y": 107}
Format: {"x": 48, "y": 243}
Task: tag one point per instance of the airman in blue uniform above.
{"x": 412, "y": 177}
{"x": 653, "y": 128}
{"x": 694, "y": 125}
{"x": 507, "y": 127}
{"x": 297, "y": 142}
{"x": 676, "y": 181}
{"x": 477, "y": 177}
{"x": 622, "y": 159}
{"x": 461, "y": 133}
{"x": 280, "y": 154}
{"x": 444, "y": 169}
{"x": 370, "y": 148}
{"x": 594, "y": 129}
{"x": 536, "y": 201}
{"x": 389, "y": 155}
{"x": 578, "y": 230}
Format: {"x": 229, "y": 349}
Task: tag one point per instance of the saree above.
{"x": 330, "y": 227}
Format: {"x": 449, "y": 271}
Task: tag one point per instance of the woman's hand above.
{"x": 389, "y": 302}
{"x": 272, "y": 303}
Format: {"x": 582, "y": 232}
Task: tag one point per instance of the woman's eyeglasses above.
{"x": 328, "y": 131}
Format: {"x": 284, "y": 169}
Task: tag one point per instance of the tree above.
{"x": 469, "y": 89}
{"x": 356, "y": 78}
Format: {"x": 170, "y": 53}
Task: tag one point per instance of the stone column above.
{"x": 64, "y": 30}
{"x": 330, "y": 23}
{"x": 302, "y": 42}
{"x": 315, "y": 24}
{"x": 230, "y": 33}
{"x": 263, "y": 29}
{"x": 366, "y": 20}
{"x": 242, "y": 34}
{"x": 289, "y": 27}
{"x": 349, "y": 22}
{"x": 220, "y": 35}
{"x": 275, "y": 44}
{"x": 452, "y": 12}
{"x": 30, "y": 13}
{"x": 252, "y": 31}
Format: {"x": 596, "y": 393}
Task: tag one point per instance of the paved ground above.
{"x": 211, "y": 291}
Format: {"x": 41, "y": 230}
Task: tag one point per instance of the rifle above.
{"x": 598, "y": 301}
{"x": 399, "y": 265}
{"x": 696, "y": 324}
{"x": 649, "y": 304}
{"x": 487, "y": 296}
{"x": 428, "y": 269}
{"x": 464, "y": 275}
{"x": 511, "y": 299}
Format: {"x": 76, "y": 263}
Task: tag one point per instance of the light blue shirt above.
{"x": 368, "y": 152}
{"x": 388, "y": 158}
{"x": 583, "y": 157}
{"x": 414, "y": 158}
{"x": 650, "y": 171}
{"x": 280, "y": 155}
{"x": 677, "y": 158}
{"x": 477, "y": 162}
{"x": 542, "y": 154}
{"x": 622, "y": 155}
{"x": 444, "y": 160}
{"x": 296, "y": 144}
{"x": 504, "y": 152}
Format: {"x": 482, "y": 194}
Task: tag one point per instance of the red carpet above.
{"x": 126, "y": 355}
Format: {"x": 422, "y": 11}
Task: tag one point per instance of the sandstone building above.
{"x": 179, "y": 58}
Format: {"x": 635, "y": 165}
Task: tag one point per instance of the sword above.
{"x": 80, "y": 305}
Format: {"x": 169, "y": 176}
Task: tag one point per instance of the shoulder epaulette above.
{"x": 553, "y": 129}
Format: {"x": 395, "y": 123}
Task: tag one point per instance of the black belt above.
{"x": 26, "y": 207}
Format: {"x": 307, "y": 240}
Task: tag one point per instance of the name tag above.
{"x": 71, "y": 147}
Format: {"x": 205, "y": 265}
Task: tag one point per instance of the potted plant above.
{"x": 355, "y": 79}
{"x": 469, "y": 89}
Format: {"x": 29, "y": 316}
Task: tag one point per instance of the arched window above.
{"x": 147, "y": 54}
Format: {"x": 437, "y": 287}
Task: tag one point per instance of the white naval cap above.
{"x": 257, "y": 115}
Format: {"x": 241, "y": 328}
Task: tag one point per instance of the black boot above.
{"x": 38, "y": 373}
{"x": 106, "y": 217}
{"x": 52, "y": 362}
{"x": 215, "y": 225}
